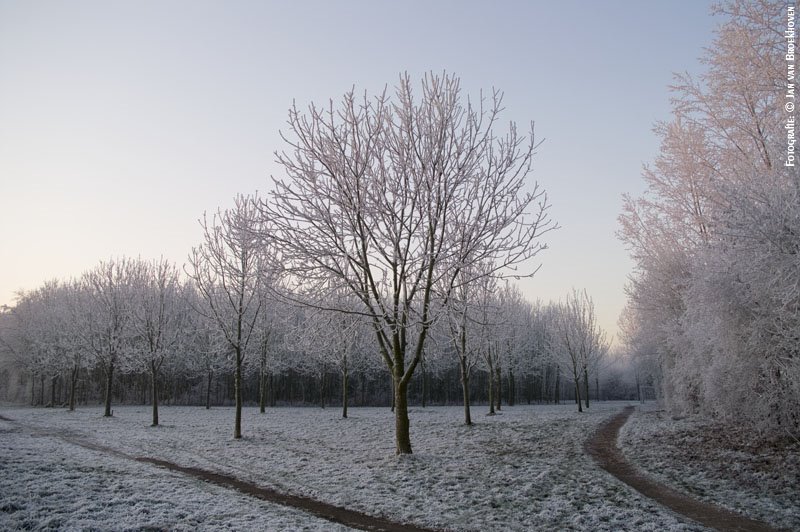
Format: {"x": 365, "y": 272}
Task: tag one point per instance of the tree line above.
{"x": 713, "y": 313}
{"x": 137, "y": 331}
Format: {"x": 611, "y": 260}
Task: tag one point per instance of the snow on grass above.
{"x": 47, "y": 484}
{"x": 717, "y": 464}
{"x": 521, "y": 470}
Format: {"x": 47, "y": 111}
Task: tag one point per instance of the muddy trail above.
{"x": 335, "y": 514}
{"x": 602, "y": 446}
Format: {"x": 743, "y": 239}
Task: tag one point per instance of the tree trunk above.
{"x": 109, "y": 382}
{"x": 394, "y": 393}
{"x": 465, "y": 390}
{"x": 424, "y": 384}
{"x": 586, "y": 384}
{"x": 53, "y": 381}
{"x": 237, "y": 391}
{"x": 345, "y": 379}
{"x": 262, "y": 391}
{"x": 262, "y": 381}
{"x": 596, "y": 387}
{"x": 512, "y": 388}
{"x": 557, "y": 389}
{"x": 73, "y": 384}
{"x": 578, "y": 393}
{"x": 322, "y": 384}
{"x": 208, "y": 390}
{"x": 499, "y": 395}
{"x": 363, "y": 389}
{"x": 154, "y": 379}
{"x": 402, "y": 425}
{"x": 33, "y": 389}
{"x": 491, "y": 386}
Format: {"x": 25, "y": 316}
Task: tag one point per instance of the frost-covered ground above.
{"x": 522, "y": 470}
{"x": 47, "y": 484}
{"x": 717, "y": 465}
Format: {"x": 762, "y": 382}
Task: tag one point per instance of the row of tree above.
{"x": 139, "y": 319}
{"x": 714, "y": 311}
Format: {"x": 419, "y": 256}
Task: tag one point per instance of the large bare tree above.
{"x": 391, "y": 196}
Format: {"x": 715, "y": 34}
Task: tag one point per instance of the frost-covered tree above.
{"x": 389, "y": 196}
{"x": 107, "y": 318}
{"x": 159, "y": 314}
{"x": 464, "y": 324}
{"x": 715, "y": 235}
{"x": 225, "y": 269}
{"x": 580, "y": 340}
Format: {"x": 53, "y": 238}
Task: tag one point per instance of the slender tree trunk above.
{"x": 272, "y": 392}
{"x": 424, "y": 384}
{"x": 363, "y": 389}
{"x": 322, "y": 383}
{"x": 596, "y": 387}
{"x": 491, "y": 386}
{"x": 154, "y": 379}
{"x": 33, "y": 389}
{"x": 499, "y": 394}
{"x": 465, "y": 390}
{"x": 578, "y": 393}
{"x": 237, "y": 390}
{"x": 557, "y": 388}
{"x": 586, "y": 384}
{"x": 345, "y": 379}
{"x": 208, "y": 389}
{"x": 73, "y": 384}
{"x": 262, "y": 391}
{"x": 512, "y": 388}
{"x": 53, "y": 381}
{"x": 262, "y": 381}
{"x": 109, "y": 382}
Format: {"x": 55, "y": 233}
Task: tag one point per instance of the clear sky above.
{"x": 122, "y": 122}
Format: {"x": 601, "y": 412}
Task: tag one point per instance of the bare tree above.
{"x": 580, "y": 339}
{"x": 107, "y": 325}
{"x": 159, "y": 315}
{"x": 225, "y": 269}
{"x": 388, "y": 198}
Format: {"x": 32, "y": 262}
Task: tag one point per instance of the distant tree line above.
{"x": 132, "y": 331}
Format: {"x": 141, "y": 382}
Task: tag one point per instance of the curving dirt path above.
{"x": 335, "y": 514}
{"x": 602, "y": 446}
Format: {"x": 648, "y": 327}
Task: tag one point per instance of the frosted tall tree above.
{"x": 580, "y": 339}
{"x": 158, "y": 318}
{"x": 225, "y": 269}
{"x": 464, "y": 325}
{"x": 107, "y": 325}
{"x": 386, "y": 197}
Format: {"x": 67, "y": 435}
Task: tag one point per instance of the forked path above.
{"x": 603, "y": 448}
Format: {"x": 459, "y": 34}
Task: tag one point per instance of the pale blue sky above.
{"x": 121, "y": 122}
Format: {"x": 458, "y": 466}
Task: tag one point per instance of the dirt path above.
{"x": 603, "y": 448}
{"x": 317, "y": 508}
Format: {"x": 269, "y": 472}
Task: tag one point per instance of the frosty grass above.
{"x": 522, "y": 470}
